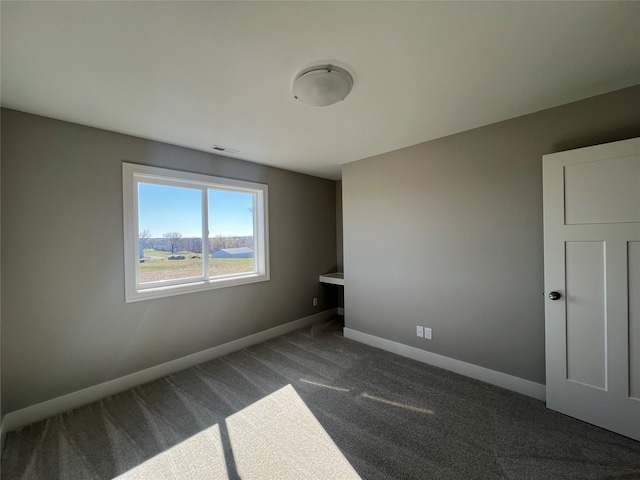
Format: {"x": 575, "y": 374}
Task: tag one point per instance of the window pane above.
{"x": 170, "y": 226}
{"x": 231, "y": 235}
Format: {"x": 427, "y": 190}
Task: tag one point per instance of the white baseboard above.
{"x": 34, "y": 413}
{"x": 515, "y": 384}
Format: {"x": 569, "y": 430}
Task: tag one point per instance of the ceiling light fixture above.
{"x": 322, "y": 85}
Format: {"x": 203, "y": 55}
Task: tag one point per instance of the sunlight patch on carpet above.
{"x": 279, "y": 438}
{"x": 337, "y": 389}
{"x": 397, "y": 404}
{"x": 200, "y": 457}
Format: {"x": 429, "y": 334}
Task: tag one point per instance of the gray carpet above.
{"x": 391, "y": 417}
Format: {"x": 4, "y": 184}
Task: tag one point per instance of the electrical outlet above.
{"x": 420, "y": 331}
{"x": 314, "y": 302}
{"x": 427, "y": 333}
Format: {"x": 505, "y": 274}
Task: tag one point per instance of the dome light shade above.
{"x": 322, "y": 86}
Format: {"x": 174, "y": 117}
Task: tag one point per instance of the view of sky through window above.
{"x": 230, "y": 213}
{"x": 165, "y": 209}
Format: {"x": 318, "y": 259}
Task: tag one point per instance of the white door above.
{"x": 592, "y": 260}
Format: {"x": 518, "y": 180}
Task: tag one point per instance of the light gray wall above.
{"x": 448, "y": 234}
{"x": 65, "y": 323}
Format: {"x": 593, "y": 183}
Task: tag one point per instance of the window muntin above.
{"x": 186, "y": 232}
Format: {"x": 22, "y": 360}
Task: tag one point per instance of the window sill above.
{"x": 197, "y": 286}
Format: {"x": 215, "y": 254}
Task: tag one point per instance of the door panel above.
{"x": 592, "y": 258}
{"x": 586, "y": 316}
{"x": 605, "y": 191}
{"x": 634, "y": 319}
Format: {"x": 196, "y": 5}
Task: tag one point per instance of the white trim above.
{"x": 26, "y": 416}
{"x": 504, "y": 380}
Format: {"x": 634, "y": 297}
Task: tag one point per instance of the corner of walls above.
{"x": 339, "y": 239}
{"x": 339, "y": 244}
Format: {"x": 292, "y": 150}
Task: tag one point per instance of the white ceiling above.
{"x": 202, "y": 73}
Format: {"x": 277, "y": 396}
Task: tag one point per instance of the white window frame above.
{"x": 132, "y": 175}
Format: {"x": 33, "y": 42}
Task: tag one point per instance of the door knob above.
{"x": 554, "y": 295}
